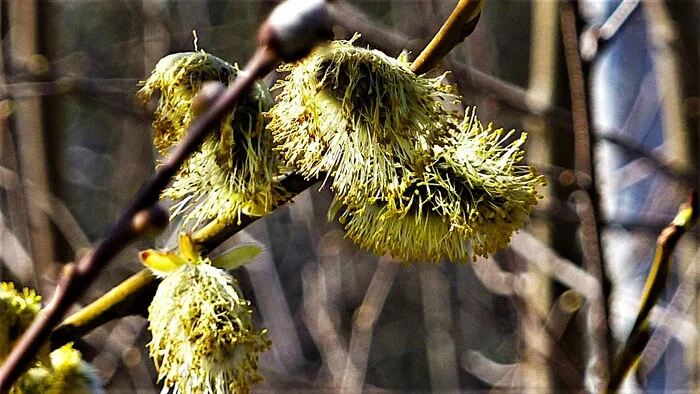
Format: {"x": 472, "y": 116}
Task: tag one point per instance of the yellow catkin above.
{"x": 360, "y": 116}
{"x": 472, "y": 189}
{"x": 236, "y": 170}
{"x": 203, "y": 337}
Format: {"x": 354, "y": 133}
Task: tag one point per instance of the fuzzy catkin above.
{"x": 472, "y": 189}
{"x": 203, "y": 338}
{"x": 235, "y": 172}
{"x": 360, "y": 116}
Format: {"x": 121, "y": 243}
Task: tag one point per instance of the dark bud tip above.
{"x": 151, "y": 221}
{"x": 294, "y": 27}
{"x": 206, "y": 97}
{"x": 469, "y": 28}
{"x": 693, "y": 204}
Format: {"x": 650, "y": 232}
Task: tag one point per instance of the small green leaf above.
{"x": 237, "y": 256}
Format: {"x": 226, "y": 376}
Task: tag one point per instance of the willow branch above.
{"x": 130, "y": 292}
{"x": 589, "y": 200}
{"x": 458, "y": 26}
{"x": 141, "y": 286}
{"x": 653, "y": 288}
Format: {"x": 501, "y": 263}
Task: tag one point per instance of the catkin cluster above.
{"x": 57, "y": 372}
{"x": 411, "y": 178}
{"x": 203, "y": 336}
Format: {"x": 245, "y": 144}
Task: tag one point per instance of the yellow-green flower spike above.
{"x": 17, "y": 311}
{"x": 358, "y": 115}
{"x": 68, "y": 374}
{"x": 203, "y": 337}
{"x": 235, "y": 171}
{"x": 472, "y": 189}
{"x": 490, "y": 194}
{"x": 413, "y": 236}
{"x": 36, "y": 380}
{"x": 71, "y": 374}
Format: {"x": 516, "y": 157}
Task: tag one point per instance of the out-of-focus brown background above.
{"x": 75, "y": 145}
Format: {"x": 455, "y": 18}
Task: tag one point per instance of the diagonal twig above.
{"x": 655, "y": 284}
{"x": 458, "y": 26}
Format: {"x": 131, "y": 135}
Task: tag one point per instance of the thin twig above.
{"x": 104, "y": 309}
{"x": 458, "y": 26}
{"x": 590, "y": 212}
{"x": 687, "y": 176}
{"x": 662, "y": 37}
{"x": 441, "y": 352}
{"x": 559, "y": 268}
{"x": 559, "y": 316}
{"x": 667, "y": 324}
{"x": 364, "y": 322}
{"x": 653, "y": 288}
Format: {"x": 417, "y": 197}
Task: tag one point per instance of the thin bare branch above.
{"x": 364, "y": 321}
{"x": 589, "y": 200}
{"x": 456, "y": 28}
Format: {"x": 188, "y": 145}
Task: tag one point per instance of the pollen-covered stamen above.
{"x": 360, "y": 116}
{"x": 362, "y": 92}
{"x": 203, "y": 337}
{"x": 470, "y": 188}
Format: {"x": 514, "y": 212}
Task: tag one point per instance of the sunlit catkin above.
{"x": 203, "y": 337}
{"x": 360, "y": 116}
{"x": 472, "y": 189}
{"x": 61, "y": 371}
{"x": 17, "y": 311}
{"x": 67, "y": 373}
{"x": 234, "y": 173}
